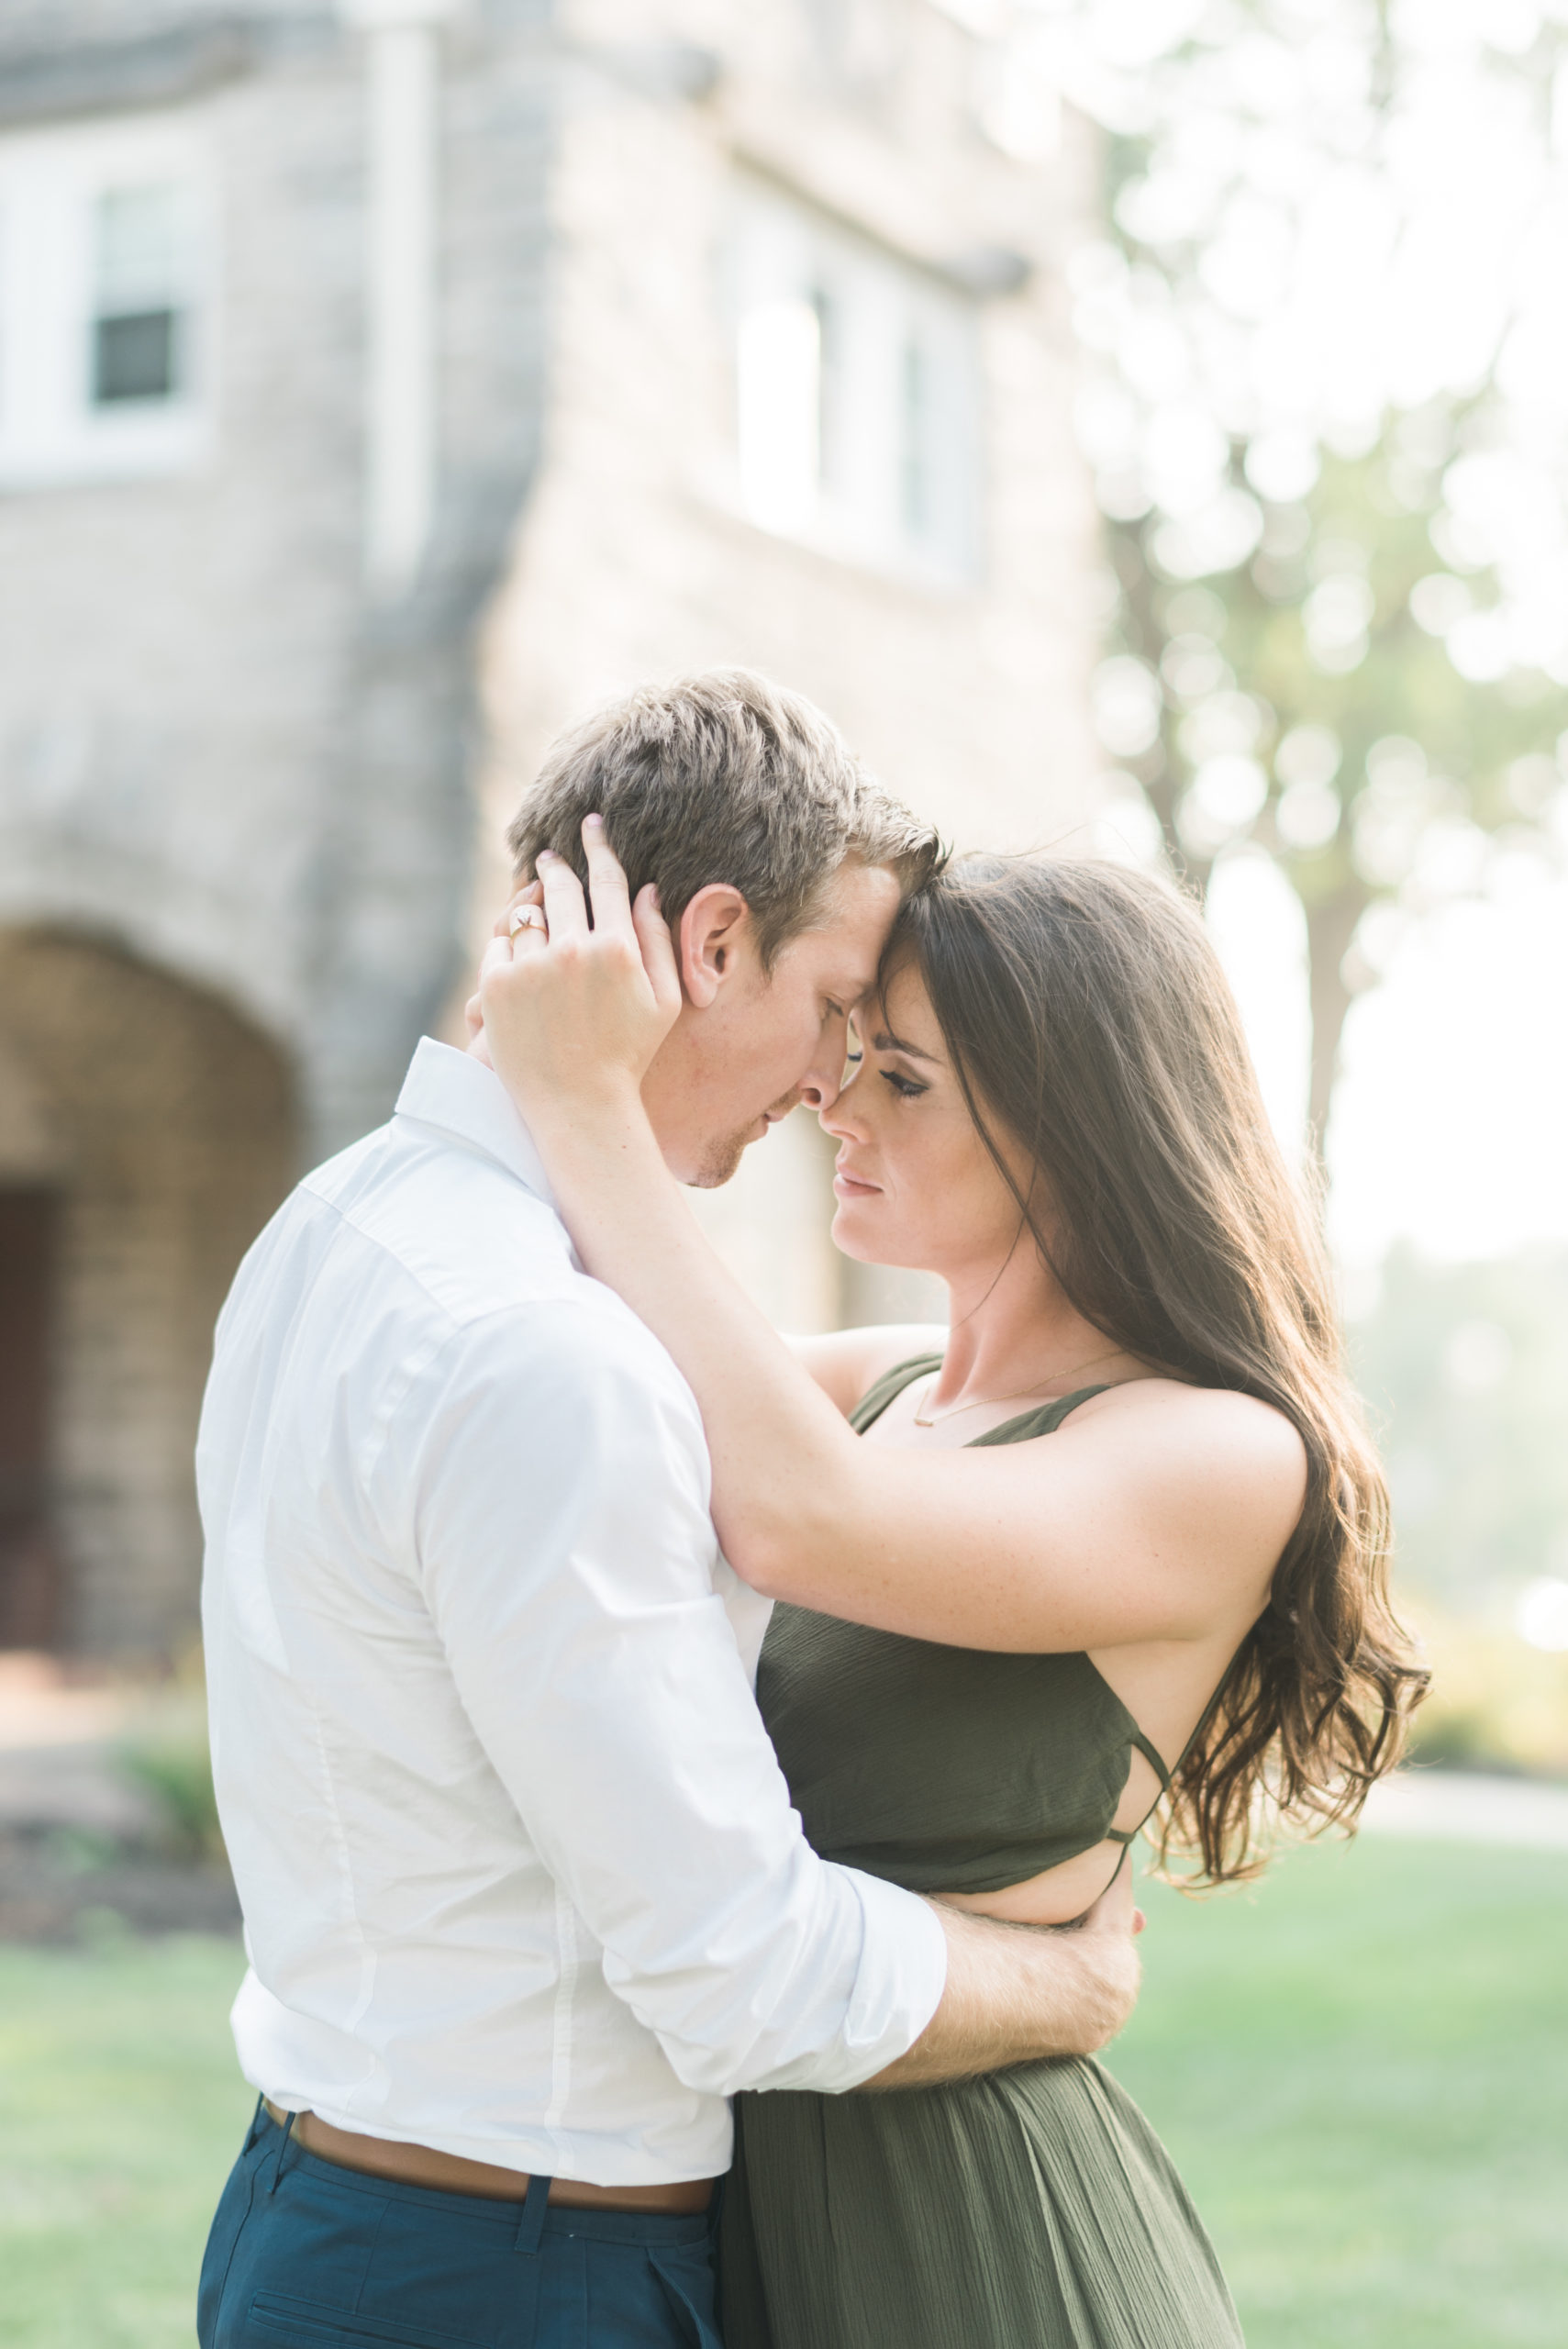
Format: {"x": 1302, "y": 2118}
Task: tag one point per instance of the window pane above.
{"x": 779, "y": 400}
{"x": 133, "y": 357}
{"x": 141, "y": 279}
{"x": 855, "y": 380}
{"x": 140, "y": 256}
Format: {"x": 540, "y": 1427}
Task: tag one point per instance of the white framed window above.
{"x": 105, "y": 302}
{"x": 857, "y": 392}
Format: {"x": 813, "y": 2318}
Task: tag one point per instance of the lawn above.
{"x": 120, "y": 2112}
{"x": 1361, "y": 2067}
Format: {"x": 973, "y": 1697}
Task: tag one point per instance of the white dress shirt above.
{"x": 520, "y": 1875}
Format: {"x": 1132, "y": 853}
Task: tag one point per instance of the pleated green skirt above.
{"x": 1033, "y": 2208}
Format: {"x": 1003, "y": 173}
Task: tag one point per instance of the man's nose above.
{"x": 824, "y": 1080}
{"x": 821, "y": 1086}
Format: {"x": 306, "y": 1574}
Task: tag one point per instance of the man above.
{"x": 525, "y": 1898}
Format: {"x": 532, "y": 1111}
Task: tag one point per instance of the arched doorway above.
{"x": 146, "y": 1134}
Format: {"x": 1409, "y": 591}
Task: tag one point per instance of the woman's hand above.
{"x": 574, "y": 1013}
{"x": 505, "y": 922}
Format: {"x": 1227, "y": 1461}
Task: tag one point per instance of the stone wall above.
{"x": 213, "y": 745}
{"x": 235, "y": 815}
{"x": 165, "y": 1127}
{"x": 637, "y": 557}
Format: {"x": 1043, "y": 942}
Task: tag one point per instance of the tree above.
{"x": 1305, "y": 701}
{"x": 1325, "y": 332}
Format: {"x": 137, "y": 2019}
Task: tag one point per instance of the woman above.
{"x": 994, "y": 1656}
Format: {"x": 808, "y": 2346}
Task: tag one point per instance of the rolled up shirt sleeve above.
{"x": 559, "y": 1483}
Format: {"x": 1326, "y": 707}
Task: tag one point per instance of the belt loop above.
{"x": 288, "y": 2132}
{"x": 530, "y": 2218}
{"x": 716, "y": 2209}
{"x": 254, "y": 2130}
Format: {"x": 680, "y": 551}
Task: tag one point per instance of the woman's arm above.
{"x": 1156, "y": 1513}
{"x": 846, "y": 1364}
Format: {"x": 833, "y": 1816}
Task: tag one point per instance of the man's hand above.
{"x": 1017, "y": 1994}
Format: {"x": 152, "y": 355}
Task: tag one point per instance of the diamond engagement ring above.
{"x": 526, "y": 917}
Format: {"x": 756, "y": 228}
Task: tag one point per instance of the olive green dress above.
{"x": 1032, "y": 2209}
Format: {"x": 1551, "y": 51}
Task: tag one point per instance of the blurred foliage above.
{"x": 1337, "y": 631}
{"x": 1301, "y": 707}
{"x": 1494, "y": 1704}
{"x": 175, "y": 1769}
{"x": 166, "y": 1755}
{"x": 1465, "y": 1372}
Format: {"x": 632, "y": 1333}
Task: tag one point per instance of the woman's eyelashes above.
{"x": 908, "y": 1088}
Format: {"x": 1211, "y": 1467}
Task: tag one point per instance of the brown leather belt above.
{"x": 454, "y": 2173}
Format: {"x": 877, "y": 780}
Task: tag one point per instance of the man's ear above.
{"x": 713, "y": 930}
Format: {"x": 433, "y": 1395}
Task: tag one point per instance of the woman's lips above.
{"x": 853, "y": 1186}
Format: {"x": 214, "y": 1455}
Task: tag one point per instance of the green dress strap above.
{"x": 1044, "y": 1419}
{"x": 891, "y": 1385}
{"x": 1156, "y": 1762}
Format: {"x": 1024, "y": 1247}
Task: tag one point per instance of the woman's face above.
{"x": 915, "y": 1182}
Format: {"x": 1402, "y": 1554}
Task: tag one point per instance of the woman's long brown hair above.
{"x": 1087, "y": 1017}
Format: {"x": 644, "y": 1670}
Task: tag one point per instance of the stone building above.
{"x": 381, "y": 384}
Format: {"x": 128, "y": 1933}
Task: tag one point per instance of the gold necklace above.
{"x": 955, "y": 1409}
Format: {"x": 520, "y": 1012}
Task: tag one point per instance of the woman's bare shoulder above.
{"x": 847, "y": 1362}
{"x": 1211, "y": 1451}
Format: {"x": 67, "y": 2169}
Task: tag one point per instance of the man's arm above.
{"x": 553, "y": 1468}
{"x": 1015, "y": 1994}
{"x": 558, "y": 1492}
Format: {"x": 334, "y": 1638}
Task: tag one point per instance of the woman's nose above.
{"x": 839, "y": 1117}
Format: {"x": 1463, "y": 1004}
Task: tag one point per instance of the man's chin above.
{"x": 721, "y": 1160}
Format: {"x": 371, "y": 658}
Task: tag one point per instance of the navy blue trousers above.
{"x": 307, "y": 2255}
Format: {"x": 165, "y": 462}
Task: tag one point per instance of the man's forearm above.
{"x": 1017, "y": 1994}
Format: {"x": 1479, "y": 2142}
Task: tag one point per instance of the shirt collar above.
{"x": 461, "y": 1096}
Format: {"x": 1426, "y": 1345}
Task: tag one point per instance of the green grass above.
{"x": 120, "y": 2112}
{"x": 1361, "y": 2068}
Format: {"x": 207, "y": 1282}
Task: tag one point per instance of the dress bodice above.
{"x": 944, "y": 1769}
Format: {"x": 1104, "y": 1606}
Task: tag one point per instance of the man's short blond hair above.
{"x": 722, "y": 777}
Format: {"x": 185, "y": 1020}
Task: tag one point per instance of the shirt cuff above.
{"x": 902, "y": 1974}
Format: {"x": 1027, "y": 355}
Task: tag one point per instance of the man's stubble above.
{"x": 721, "y": 1159}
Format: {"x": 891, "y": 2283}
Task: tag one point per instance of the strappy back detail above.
{"x": 1155, "y": 1761}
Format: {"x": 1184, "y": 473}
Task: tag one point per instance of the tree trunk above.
{"x": 1162, "y": 779}
{"x": 1330, "y": 926}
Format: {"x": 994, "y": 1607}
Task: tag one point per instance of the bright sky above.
{"x": 1450, "y": 1124}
